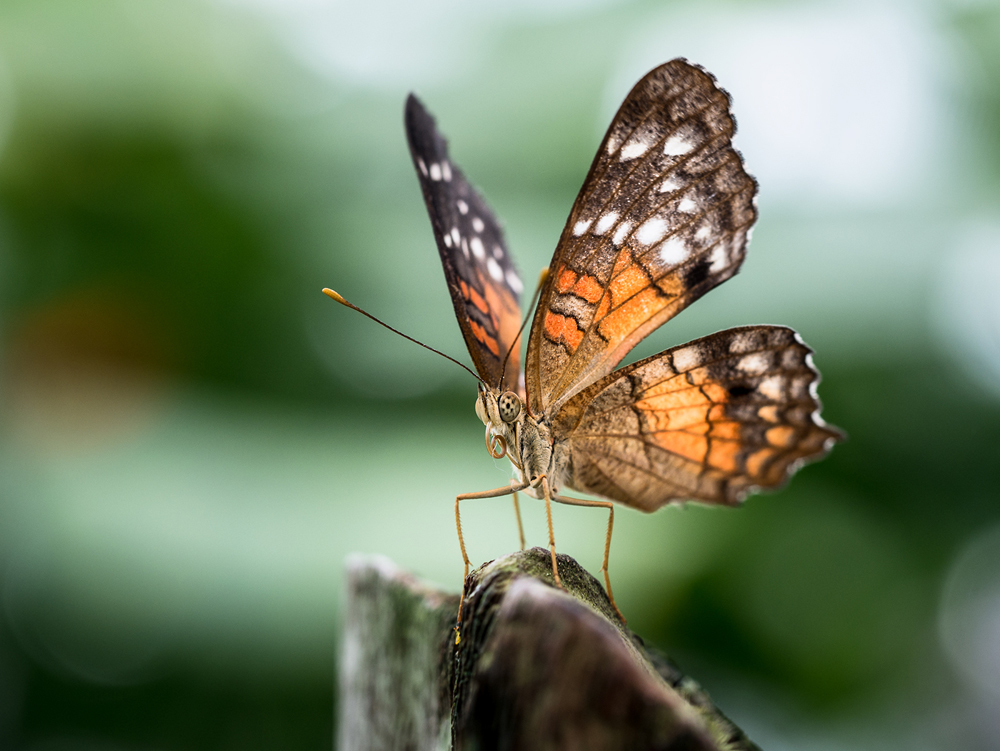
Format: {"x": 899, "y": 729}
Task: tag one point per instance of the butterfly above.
{"x": 664, "y": 215}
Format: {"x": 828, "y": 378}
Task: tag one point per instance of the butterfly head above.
{"x": 499, "y": 412}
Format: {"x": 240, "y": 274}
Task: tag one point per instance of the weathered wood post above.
{"x": 536, "y": 667}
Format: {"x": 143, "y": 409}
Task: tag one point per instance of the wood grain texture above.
{"x": 536, "y": 667}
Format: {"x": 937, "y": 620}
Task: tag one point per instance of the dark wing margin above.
{"x": 663, "y": 216}
{"x": 711, "y": 420}
{"x": 484, "y": 285}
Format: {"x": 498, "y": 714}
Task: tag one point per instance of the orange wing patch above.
{"x": 563, "y": 329}
{"x": 708, "y": 421}
{"x": 485, "y": 339}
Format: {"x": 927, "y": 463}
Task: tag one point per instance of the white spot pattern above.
{"x": 580, "y": 227}
{"x": 477, "y": 224}
{"x": 772, "y": 387}
{"x": 669, "y": 185}
{"x": 687, "y": 205}
{"x": 606, "y": 222}
{"x": 686, "y": 358}
{"x": 741, "y": 343}
{"x": 463, "y": 207}
{"x": 477, "y": 248}
{"x": 632, "y": 150}
{"x": 446, "y": 171}
{"x": 677, "y": 146}
{"x": 435, "y": 171}
{"x": 754, "y": 364}
{"x": 495, "y": 271}
{"x": 651, "y": 231}
{"x": 513, "y": 282}
{"x": 719, "y": 258}
{"x": 674, "y": 251}
{"x": 423, "y": 167}
{"x": 455, "y": 235}
{"x": 620, "y": 233}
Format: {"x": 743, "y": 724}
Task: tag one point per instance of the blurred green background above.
{"x": 192, "y": 438}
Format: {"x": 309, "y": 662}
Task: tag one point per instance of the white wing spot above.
{"x": 755, "y": 363}
{"x": 446, "y": 171}
{"x": 669, "y": 185}
{"x": 685, "y": 359}
{"x": 651, "y": 231}
{"x": 497, "y": 252}
{"x": 613, "y": 142}
{"x": 606, "y": 222}
{"x": 455, "y": 236}
{"x": 677, "y": 146}
{"x": 435, "y": 171}
{"x": 772, "y": 387}
{"x": 704, "y": 232}
{"x": 513, "y": 282}
{"x": 463, "y": 207}
{"x": 719, "y": 258}
{"x": 687, "y": 205}
{"x": 741, "y": 343}
{"x": 620, "y": 233}
{"x": 674, "y": 251}
{"x": 495, "y": 271}
{"x": 632, "y": 150}
{"x": 423, "y": 167}
{"x": 580, "y": 227}
{"x": 447, "y": 240}
{"x": 477, "y": 224}
{"x": 477, "y": 248}
{"x": 465, "y": 249}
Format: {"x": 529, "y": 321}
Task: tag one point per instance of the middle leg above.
{"x": 496, "y": 492}
{"x": 607, "y": 540}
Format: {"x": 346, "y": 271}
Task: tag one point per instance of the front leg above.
{"x": 495, "y": 493}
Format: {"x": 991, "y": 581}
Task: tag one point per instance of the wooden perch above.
{"x": 536, "y": 667}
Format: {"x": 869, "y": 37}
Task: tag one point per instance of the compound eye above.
{"x": 509, "y": 406}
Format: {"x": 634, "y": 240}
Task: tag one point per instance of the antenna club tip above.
{"x": 336, "y": 296}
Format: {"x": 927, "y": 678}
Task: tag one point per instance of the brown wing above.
{"x": 710, "y": 421}
{"x": 663, "y": 216}
{"x": 485, "y": 287}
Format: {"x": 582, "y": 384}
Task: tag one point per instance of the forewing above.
{"x": 485, "y": 287}
{"x": 709, "y": 421}
{"x": 663, "y": 216}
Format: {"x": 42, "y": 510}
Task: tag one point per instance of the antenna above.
{"x": 330, "y": 293}
{"x": 534, "y": 298}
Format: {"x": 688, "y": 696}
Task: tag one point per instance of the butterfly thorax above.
{"x": 524, "y": 440}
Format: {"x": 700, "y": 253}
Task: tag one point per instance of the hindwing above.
{"x": 710, "y": 420}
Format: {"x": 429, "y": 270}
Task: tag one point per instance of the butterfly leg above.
{"x": 517, "y": 513}
{"x": 607, "y": 540}
{"x": 552, "y": 537}
{"x": 496, "y": 492}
